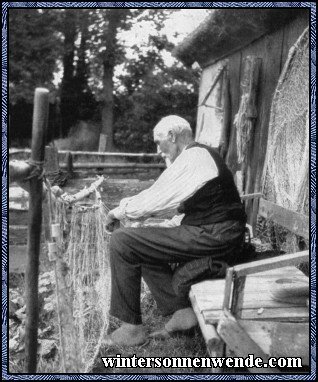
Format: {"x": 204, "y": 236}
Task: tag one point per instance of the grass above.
{"x": 179, "y": 346}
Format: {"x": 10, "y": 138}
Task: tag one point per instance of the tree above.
{"x": 33, "y": 49}
{"x": 114, "y": 18}
{"x": 109, "y": 53}
{"x": 68, "y": 95}
{"x": 77, "y": 101}
{"x": 149, "y": 91}
{"x": 87, "y": 44}
{"x": 86, "y": 104}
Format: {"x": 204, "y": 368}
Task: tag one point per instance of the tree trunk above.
{"x": 82, "y": 66}
{"x": 113, "y": 19}
{"x": 68, "y": 104}
{"x": 106, "y": 142}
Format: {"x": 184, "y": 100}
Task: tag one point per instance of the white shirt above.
{"x": 191, "y": 170}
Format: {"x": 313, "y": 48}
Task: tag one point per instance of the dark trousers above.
{"x": 147, "y": 252}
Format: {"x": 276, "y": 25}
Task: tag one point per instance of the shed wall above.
{"x": 273, "y": 50}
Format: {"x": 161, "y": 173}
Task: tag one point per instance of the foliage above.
{"x": 149, "y": 90}
{"x": 85, "y": 44}
{"x": 76, "y": 98}
{"x": 34, "y": 47}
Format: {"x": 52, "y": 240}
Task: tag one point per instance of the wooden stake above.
{"x": 40, "y": 119}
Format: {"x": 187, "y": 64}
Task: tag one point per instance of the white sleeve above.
{"x": 188, "y": 173}
{"x": 175, "y": 221}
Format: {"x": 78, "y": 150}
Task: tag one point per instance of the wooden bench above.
{"x": 242, "y": 314}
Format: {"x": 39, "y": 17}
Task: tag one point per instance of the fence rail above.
{"x": 92, "y": 153}
{"x": 93, "y": 165}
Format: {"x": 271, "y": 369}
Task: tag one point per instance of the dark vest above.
{"x": 217, "y": 201}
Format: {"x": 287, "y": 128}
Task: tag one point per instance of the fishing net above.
{"x": 286, "y": 180}
{"x": 83, "y": 281}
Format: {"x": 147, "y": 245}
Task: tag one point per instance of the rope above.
{"x": 56, "y": 177}
{"x": 37, "y": 169}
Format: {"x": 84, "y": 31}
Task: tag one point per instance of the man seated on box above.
{"x": 198, "y": 183}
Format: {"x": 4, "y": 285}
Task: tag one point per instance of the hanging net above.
{"x": 286, "y": 180}
{"x": 83, "y": 281}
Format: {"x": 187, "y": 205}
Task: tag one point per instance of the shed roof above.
{"x": 228, "y": 30}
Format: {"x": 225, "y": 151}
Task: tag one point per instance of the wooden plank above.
{"x": 234, "y": 70}
{"x": 286, "y": 314}
{"x": 209, "y": 298}
{"x": 259, "y": 302}
{"x": 248, "y": 108}
{"x": 212, "y": 316}
{"x": 210, "y": 293}
{"x": 274, "y": 262}
{"x": 277, "y": 272}
{"x": 267, "y": 284}
{"x": 226, "y": 126}
{"x": 237, "y": 339}
{"x": 280, "y": 339}
{"x": 238, "y": 295}
{"x": 279, "y": 281}
{"x": 290, "y": 314}
{"x": 215, "y": 345}
{"x": 213, "y": 286}
{"x": 284, "y": 290}
{"x": 256, "y": 300}
{"x": 209, "y": 303}
{"x": 293, "y": 221}
{"x": 268, "y": 49}
{"x": 228, "y": 288}
{"x": 263, "y": 310}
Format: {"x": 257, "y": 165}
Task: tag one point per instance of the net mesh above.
{"x": 85, "y": 251}
{"x": 286, "y": 178}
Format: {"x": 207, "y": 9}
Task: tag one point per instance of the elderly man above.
{"x": 197, "y": 183}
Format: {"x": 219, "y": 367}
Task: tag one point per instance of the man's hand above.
{"x": 111, "y": 222}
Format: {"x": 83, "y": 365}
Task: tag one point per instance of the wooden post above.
{"x": 102, "y": 142}
{"x": 226, "y": 125}
{"x": 40, "y": 119}
{"x": 51, "y": 157}
{"x": 69, "y": 164}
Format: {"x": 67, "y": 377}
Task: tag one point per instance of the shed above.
{"x": 244, "y": 53}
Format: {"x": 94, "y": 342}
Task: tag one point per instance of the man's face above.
{"x": 166, "y": 145}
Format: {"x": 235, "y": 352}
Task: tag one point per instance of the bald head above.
{"x": 175, "y": 125}
{"x": 171, "y": 135}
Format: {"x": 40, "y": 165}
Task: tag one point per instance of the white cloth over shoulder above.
{"x": 191, "y": 170}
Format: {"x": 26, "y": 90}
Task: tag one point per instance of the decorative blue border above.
{"x": 309, "y": 376}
